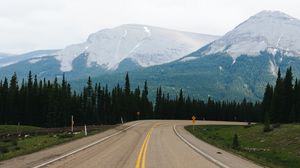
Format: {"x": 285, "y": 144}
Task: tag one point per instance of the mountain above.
{"x": 3, "y": 55}
{"x": 235, "y": 66}
{"x": 271, "y": 31}
{"x": 238, "y": 65}
{"x": 9, "y": 59}
{"x": 144, "y": 45}
{"x": 123, "y": 48}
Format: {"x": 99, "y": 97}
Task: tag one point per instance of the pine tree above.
{"x": 287, "y": 96}
{"x": 157, "y": 108}
{"x": 4, "y": 101}
{"x": 276, "y": 105}
{"x": 127, "y": 85}
{"x": 12, "y": 113}
{"x": 180, "y": 106}
{"x": 266, "y": 107}
{"x": 296, "y": 106}
{"x": 146, "y": 110}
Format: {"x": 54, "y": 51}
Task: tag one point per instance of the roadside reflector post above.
{"x": 72, "y": 124}
{"x": 193, "y": 121}
{"x": 85, "y": 131}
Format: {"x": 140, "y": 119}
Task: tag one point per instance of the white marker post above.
{"x": 138, "y": 115}
{"x": 85, "y": 131}
{"x": 18, "y": 128}
{"x": 122, "y": 120}
{"x": 72, "y": 124}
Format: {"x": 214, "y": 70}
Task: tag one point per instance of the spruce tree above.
{"x": 277, "y": 105}
{"x": 287, "y": 96}
{"x": 12, "y": 111}
{"x": 157, "y": 108}
{"x": 146, "y": 106}
{"x": 127, "y": 85}
{"x": 266, "y": 107}
{"x": 295, "y": 116}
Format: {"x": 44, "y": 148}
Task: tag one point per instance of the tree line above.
{"x": 51, "y": 103}
{"x": 185, "y": 107}
{"x": 281, "y": 103}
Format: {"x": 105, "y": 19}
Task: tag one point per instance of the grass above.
{"x": 16, "y": 146}
{"x": 277, "y": 149}
{"x": 9, "y": 129}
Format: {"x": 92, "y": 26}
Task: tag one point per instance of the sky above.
{"x": 27, "y": 25}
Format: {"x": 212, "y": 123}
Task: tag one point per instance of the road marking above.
{"x": 218, "y": 163}
{"x": 138, "y": 161}
{"x": 85, "y": 147}
{"x": 143, "y": 152}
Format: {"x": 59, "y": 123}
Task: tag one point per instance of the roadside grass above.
{"x": 16, "y": 146}
{"x": 277, "y": 149}
{"x": 9, "y": 129}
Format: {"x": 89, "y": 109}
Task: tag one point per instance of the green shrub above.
{"x": 3, "y": 149}
{"x": 65, "y": 135}
{"x": 14, "y": 142}
{"x": 235, "y": 142}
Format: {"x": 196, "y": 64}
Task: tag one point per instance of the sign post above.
{"x": 193, "y": 121}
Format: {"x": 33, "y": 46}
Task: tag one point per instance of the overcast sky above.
{"x": 27, "y": 25}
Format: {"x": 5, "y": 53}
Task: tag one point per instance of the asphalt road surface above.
{"x": 141, "y": 144}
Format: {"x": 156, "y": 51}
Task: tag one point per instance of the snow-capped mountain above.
{"x": 9, "y": 59}
{"x": 144, "y": 45}
{"x": 238, "y": 65}
{"x": 124, "y": 48}
{"x": 3, "y": 55}
{"x": 271, "y": 31}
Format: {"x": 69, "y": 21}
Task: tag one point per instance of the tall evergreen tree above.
{"x": 277, "y": 105}
{"x": 157, "y": 108}
{"x": 287, "y": 96}
{"x": 266, "y": 106}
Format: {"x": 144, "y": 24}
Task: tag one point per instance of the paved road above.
{"x": 151, "y": 144}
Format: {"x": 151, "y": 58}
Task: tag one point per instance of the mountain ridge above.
{"x": 145, "y": 45}
{"x": 268, "y": 30}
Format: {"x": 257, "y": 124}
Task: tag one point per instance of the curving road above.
{"x": 151, "y": 144}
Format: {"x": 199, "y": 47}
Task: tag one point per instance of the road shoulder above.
{"x": 45, "y": 155}
{"x": 220, "y": 155}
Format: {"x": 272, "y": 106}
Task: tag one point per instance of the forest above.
{"x": 51, "y": 103}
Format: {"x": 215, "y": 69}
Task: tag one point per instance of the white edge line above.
{"x": 84, "y": 147}
{"x": 220, "y": 164}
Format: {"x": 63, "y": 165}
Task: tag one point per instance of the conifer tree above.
{"x": 295, "y": 116}
{"x": 276, "y": 105}
{"x": 157, "y": 108}
{"x": 287, "y": 103}
{"x": 266, "y": 106}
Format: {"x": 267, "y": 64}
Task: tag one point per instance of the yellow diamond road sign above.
{"x": 193, "y": 119}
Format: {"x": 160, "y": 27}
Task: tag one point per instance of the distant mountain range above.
{"x": 10, "y": 59}
{"x": 235, "y": 66}
{"x": 238, "y": 65}
{"x": 124, "y": 48}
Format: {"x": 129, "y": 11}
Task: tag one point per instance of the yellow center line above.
{"x": 143, "y": 151}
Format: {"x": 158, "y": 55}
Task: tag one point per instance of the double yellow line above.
{"x": 140, "y": 162}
